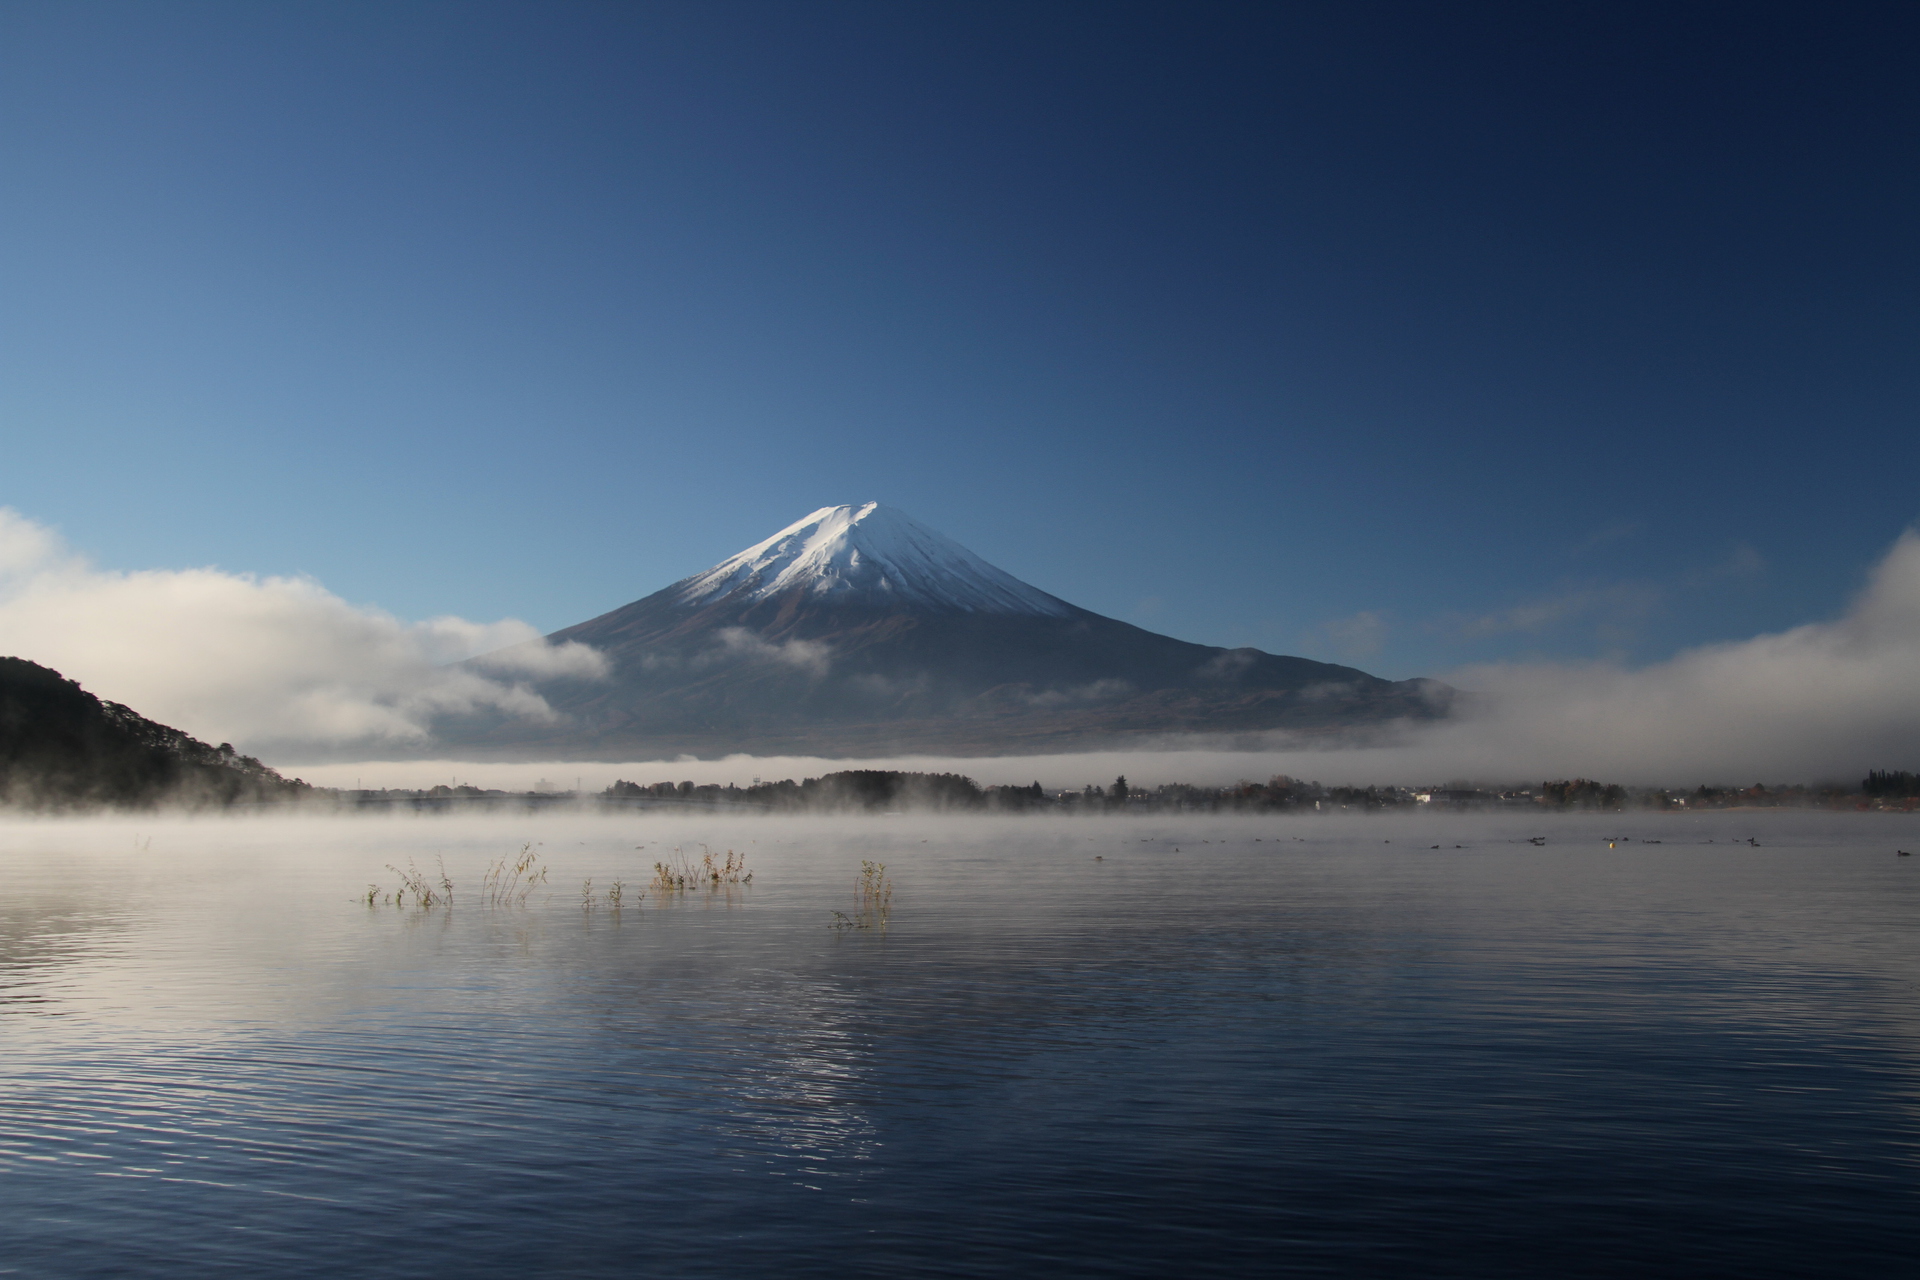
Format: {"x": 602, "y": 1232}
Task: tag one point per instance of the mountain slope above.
{"x": 62, "y": 747}
{"x": 857, "y": 631}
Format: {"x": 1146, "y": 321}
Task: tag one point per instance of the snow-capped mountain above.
{"x": 859, "y": 631}
{"x": 874, "y": 556}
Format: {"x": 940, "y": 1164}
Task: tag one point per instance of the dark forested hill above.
{"x": 61, "y": 747}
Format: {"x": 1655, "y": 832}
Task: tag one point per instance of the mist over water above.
{"x": 1105, "y": 1046}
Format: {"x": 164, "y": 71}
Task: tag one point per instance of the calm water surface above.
{"x": 1222, "y": 1048}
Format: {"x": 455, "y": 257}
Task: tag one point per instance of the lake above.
{"x": 1091, "y": 1046}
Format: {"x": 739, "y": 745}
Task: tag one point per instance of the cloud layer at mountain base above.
{"x": 268, "y": 663}
{"x": 1826, "y": 700}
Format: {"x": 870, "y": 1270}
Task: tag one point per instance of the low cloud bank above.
{"x": 1826, "y": 700}
{"x": 263, "y": 662}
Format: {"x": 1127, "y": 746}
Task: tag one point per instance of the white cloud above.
{"x": 1229, "y": 664}
{"x": 259, "y": 661}
{"x": 1093, "y": 691}
{"x": 1826, "y": 698}
{"x": 741, "y": 645}
{"x": 1616, "y": 605}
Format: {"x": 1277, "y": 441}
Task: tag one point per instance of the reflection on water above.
{"x": 47, "y": 926}
{"x": 1095, "y": 1047}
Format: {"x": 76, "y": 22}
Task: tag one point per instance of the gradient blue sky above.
{"x": 1409, "y": 335}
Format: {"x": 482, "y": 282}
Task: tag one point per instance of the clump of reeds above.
{"x": 681, "y": 873}
{"x": 415, "y": 885}
{"x": 873, "y": 899}
{"x": 876, "y": 891}
{"x": 730, "y": 870}
{"x": 611, "y": 897}
{"x": 509, "y": 884}
{"x": 674, "y": 874}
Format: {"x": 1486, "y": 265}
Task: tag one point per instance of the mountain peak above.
{"x": 872, "y": 556}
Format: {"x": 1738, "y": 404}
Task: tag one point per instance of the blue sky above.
{"x": 1409, "y": 335}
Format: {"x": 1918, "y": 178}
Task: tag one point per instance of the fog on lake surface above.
{"x": 1099, "y": 1046}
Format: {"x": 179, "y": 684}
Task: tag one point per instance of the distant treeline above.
{"x": 855, "y": 789}
{"x": 63, "y": 748}
{"x": 874, "y": 790}
{"x": 882, "y": 789}
{"x": 1900, "y": 784}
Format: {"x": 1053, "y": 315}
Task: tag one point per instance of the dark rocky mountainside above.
{"x": 61, "y": 747}
{"x": 858, "y": 631}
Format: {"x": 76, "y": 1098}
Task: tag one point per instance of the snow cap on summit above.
{"x": 873, "y": 556}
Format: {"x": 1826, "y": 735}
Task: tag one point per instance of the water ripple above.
{"x": 1323, "y": 1056}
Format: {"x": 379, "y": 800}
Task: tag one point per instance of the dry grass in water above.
{"x": 426, "y": 894}
{"x": 873, "y": 899}
{"x": 681, "y": 873}
{"x": 611, "y": 898}
{"x": 510, "y": 884}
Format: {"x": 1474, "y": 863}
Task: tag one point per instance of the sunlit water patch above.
{"x": 1096, "y": 1047}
